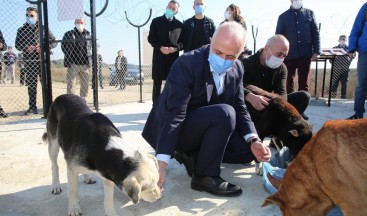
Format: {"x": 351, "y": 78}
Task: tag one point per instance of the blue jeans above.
{"x": 361, "y": 90}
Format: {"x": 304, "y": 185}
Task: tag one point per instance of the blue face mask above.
{"x": 218, "y": 64}
{"x": 199, "y": 9}
{"x": 31, "y": 20}
{"x": 169, "y": 13}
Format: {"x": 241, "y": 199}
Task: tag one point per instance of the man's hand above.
{"x": 162, "y": 174}
{"x": 30, "y": 49}
{"x": 38, "y": 48}
{"x": 351, "y": 55}
{"x": 172, "y": 49}
{"x": 1, "y": 46}
{"x": 258, "y": 102}
{"x": 165, "y": 50}
{"x": 261, "y": 152}
{"x": 315, "y": 56}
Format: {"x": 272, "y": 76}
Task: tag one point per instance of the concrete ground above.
{"x": 25, "y": 172}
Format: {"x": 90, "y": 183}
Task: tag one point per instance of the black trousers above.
{"x": 157, "y": 86}
{"x": 32, "y": 71}
{"x": 121, "y": 78}
{"x": 300, "y": 100}
{"x": 210, "y": 134}
{"x": 22, "y": 76}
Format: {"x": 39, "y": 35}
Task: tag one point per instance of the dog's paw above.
{"x": 89, "y": 179}
{"x": 56, "y": 190}
{"x": 74, "y": 210}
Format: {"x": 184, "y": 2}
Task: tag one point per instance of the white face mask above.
{"x": 227, "y": 15}
{"x": 342, "y": 42}
{"x": 273, "y": 62}
{"x": 297, "y": 4}
{"x": 80, "y": 27}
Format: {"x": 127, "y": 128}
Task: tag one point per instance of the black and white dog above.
{"x": 93, "y": 145}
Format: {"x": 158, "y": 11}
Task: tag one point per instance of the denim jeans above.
{"x": 361, "y": 90}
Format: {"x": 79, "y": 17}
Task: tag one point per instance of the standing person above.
{"x": 341, "y": 69}
{"x": 265, "y": 69}
{"x": 76, "y": 46}
{"x": 164, "y": 36}
{"x": 9, "y": 60}
{"x": 299, "y": 26}
{"x": 233, "y": 13}
{"x": 358, "y": 43}
{"x": 22, "y": 75}
{"x": 197, "y": 30}
{"x": 28, "y": 42}
{"x": 99, "y": 70}
{"x": 201, "y": 117}
{"x": 3, "y": 47}
{"x": 121, "y": 69}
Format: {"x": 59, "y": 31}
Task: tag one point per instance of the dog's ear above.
{"x": 273, "y": 199}
{"x": 294, "y": 133}
{"x": 133, "y": 190}
{"x": 138, "y": 155}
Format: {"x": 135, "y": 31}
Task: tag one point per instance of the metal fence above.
{"x": 23, "y": 92}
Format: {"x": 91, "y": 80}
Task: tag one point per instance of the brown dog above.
{"x": 331, "y": 169}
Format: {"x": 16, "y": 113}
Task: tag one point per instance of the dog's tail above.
{"x": 44, "y": 137}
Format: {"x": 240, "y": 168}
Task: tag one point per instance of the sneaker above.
{"x": 30, "y": 112}
{"x": 4, "y": 115}
{"x": 355, "y": 116}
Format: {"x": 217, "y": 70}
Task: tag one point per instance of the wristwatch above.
{"x": 254, "y": 140}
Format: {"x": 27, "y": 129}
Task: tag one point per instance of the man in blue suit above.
{"x": 201, "y": 118}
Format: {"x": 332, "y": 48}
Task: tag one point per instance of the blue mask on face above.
{"x": 169, "y": 13}
{"x": 218, "y": 64}
{"x": 31, "y": 21}
{"x": 199, "y": 9}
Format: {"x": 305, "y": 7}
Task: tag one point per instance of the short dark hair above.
{"x": 174, "y": 2}
{"x": 343, "y": 36}
{"x": 31, "y": 9}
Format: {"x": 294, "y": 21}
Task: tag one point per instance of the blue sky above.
{"x": 114, "y": 33}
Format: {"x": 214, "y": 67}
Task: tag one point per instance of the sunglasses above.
{"x": 30, "y": 15}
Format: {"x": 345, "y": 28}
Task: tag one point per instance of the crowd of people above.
{"x": 200, "y": 118}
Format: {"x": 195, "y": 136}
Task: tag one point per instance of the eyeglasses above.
{"x": 343, "y": 39}
{"x": 30, "y": 15}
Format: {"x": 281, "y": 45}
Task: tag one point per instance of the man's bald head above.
{"x": 279, "y": 46}
{"x": 228, "y": 40}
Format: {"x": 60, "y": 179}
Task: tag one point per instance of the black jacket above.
{"x": 123, "y": 63}
{"x": 188, "y": 32}
{"x": 271, "y": 80}
{"x": 28, "y": 35}
{"x": 77, "y": 48}
{"x": 164, "y": 33}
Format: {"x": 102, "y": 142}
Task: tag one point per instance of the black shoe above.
{"x": 304, "y": 116}
{"x": 187, "y": 160}
{"x": 4, "y": 115}
{"x": 355, "y": 116}
{"x": 216, "y": 186}
{"x": 31, "y": 111}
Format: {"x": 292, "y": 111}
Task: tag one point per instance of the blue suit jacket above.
{"x": 190, "y": 85}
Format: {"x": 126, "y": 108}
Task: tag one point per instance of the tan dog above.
{"x": 331, "y": 169}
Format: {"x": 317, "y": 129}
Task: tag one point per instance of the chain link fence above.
{"x": 71, "y": 62}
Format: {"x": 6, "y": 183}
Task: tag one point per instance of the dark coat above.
{"x": 28, "y": 35}
{"x": 164, "y": 33}
{"x": 77, "y": 52}
{"x": 300, "y": 28}
{"x": 188, "y": 32}
{"x": 123, "y": 63}
{"x": 190, "y": 85}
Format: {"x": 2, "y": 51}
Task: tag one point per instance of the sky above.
{"x": 114, "y": 32}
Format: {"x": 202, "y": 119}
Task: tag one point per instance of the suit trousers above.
{"x": 208, "y": 132}
{"x": 157, "y": 85}
{"x": 302, "y": 65}
{"x": 32, "y": 71}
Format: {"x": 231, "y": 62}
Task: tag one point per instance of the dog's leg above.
{"x": 74, "y": 207}
{"x": 109, "y": 206}
{"x": 53, "y": 152}
{"x": 88, "y": 179}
